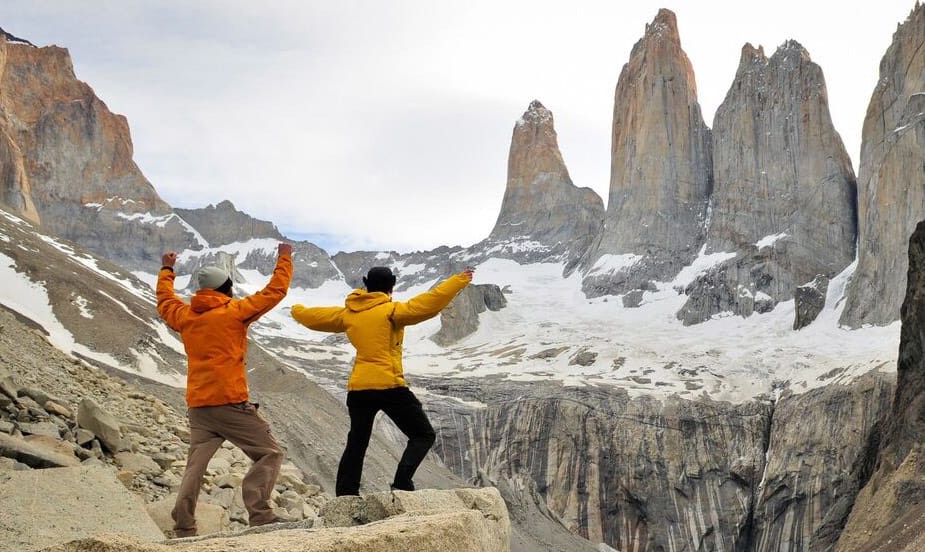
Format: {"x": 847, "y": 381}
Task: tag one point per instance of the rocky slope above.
{"x": 661, "y": 171}
{"x": 891, "y": 178}
{"x": 784, "y": 191}
{"x": 543, "y": 214}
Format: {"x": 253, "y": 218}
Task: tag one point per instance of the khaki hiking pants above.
{"x": 240, "y": 424}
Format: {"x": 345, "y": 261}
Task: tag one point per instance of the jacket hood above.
{"x": 361, "y": 300}
{"x": 208, "y": 299}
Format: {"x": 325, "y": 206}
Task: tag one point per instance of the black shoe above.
{"x": 407, "y": 487}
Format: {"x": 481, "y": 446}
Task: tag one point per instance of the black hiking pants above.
{"x": 406, "y": 411}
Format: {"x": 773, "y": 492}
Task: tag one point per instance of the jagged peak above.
{"x": 752, "y": 55}
{"x": 791, "y": 53}
{"x": 9, "y": 37}
{"x": 665, "y": 24}
{"x": 536, "y": 114}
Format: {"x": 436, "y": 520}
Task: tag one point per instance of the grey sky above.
{"x": 386, "y": 125}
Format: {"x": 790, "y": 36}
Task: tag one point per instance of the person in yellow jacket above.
{"x": 375, "y": 326}
{"x": 213, "y": 327}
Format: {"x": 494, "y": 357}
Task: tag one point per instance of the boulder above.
{"x": 76, "y": 503}
{"x": 103, "y": 424}
{"x": 810, "y": 299}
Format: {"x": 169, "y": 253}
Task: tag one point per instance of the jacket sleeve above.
{"x": 254, "y": 306}
{"x": 171, "y": 308}
{"x": 322, "y": 319}
{"x": 428, "y": 304}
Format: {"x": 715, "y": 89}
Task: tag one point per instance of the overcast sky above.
{"x": 386, "y": 124}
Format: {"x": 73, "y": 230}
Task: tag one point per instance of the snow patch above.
{"x": 768, "y": 241}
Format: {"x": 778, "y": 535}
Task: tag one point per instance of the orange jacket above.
{"x": 214, "y": 332}
{"x": 376, "y": 328}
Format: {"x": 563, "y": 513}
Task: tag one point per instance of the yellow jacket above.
{"x": 375, "y": 326}
{"x": 213, "y": 328}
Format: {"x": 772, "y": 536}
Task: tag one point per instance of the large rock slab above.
{"x": 462, "y": 520}
{"x": 42, "y": 508}
{"x": 34, "y": 454}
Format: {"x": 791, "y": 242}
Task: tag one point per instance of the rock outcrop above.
{"x": 77, "y": 160}
{"x": 543, "y": 214}
{"x": 896, "y": 483}
{"x": 661, "y": 171}
{"x": 464, "y": 520}
{"x": 781, "y": 175}
{"x": 223, "y": 224}
{"x": 461, "y": 317}
{"x": 891, "y": 178}
{"x": 809, "y": 301}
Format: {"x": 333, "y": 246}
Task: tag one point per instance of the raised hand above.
{"x": 169, "y": 259}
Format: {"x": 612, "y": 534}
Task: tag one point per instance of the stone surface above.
{"x": 543, "y": 214}
{"x": 891, "y": 178}
{"x": 76, "y": 502}
{"x": 661, "y": 169}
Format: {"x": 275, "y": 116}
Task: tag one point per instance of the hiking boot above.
{"x": 183, "y": 533}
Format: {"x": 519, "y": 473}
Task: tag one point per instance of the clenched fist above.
{"x": 169, "y": 259}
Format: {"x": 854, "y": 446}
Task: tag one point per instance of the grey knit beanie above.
{"x": 211, "y": 277}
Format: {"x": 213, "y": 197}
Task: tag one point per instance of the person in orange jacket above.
{"x": 375, "y": 326}
{"x": 213, "y": 327}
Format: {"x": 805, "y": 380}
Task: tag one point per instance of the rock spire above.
{"x": 541, "y": 204}
{"x": 661, "y": 175}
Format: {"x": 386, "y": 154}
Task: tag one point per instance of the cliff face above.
{"x": 781, "y": 176}
{"x": 896, "y": 484}
{"x": 644, "y": 474}
{"x": 661, "y": 171}
{"x": 891, "y": 178}
{"x": 67, "y": 161}
{"x": 541, "y": 205}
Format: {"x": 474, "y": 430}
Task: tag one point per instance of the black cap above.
{"x": 379, "y": 278}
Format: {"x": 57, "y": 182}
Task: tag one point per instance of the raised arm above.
{"x": 171, "y": 308}
{"x": 428, "y": 304}
{"x": 322, "y": 319}
{"x": 254, "y": 306}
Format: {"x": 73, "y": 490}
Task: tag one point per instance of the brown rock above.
{"x": 541, "y": 204}
{"x": 661, "y": 168}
